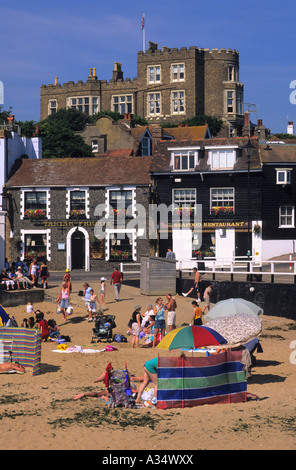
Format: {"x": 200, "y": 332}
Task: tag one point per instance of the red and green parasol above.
{"x": 191, "y": 337}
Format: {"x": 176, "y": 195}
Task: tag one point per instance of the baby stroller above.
{"x": 103, "y": 329}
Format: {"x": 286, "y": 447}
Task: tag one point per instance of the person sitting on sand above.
{"x": 104, "y": 394}
{"x": 149, "y": 326}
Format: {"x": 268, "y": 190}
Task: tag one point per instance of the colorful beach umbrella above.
{"x": 191, "y": 337}
{"x": 228, "y": 307}
{"x": 4, "y": 317}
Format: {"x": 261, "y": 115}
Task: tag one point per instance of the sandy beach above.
{"x": 39, "y": 412}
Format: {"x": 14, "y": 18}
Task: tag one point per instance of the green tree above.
{"x": 58, "y": 135}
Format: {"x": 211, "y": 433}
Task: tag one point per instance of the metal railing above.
{"x": 238, "y": 266}
{"x": 249, "y": 267}
{"x": 121, "y": 268}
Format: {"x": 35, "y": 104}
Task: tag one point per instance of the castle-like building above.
{"x": 171, "y": 85}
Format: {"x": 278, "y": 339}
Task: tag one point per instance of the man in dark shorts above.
{"x": 197, "y": 279}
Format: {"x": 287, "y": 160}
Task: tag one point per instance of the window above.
{"x": 52, "y": 107}
{"x": 77, "y": 204}
{"x": 287, "y": 216}
{"x": 230, "y": 101}
{"x": 146, "y": 146}
{"x": 222, "y": 201}
{"x": 94, "y": 146}
{"x": 177, "y": 72}
{"x": 35, "y": 202}
{"x": 95, "y": 105}
{"x": 184, "y": 201}
{"x": 154, "y": 103}
{"x": 35, "y": 247}
{"x": 122, "y": 104}
{"x": 80, "y": 104}
{"x": 120, "y": 202}
{"x": 239, "y": 102}
{"x": 283, "y": 176}
{"x": 178, "y": 102}
{"x": 154, "y": 74}
{"x": 234, "y": 101}
{"x": 84, "y": 104}
{"x": 120, "y": 246}
{"x": 184, "y": 160}
{"x": 233, "y": 73}
{"x": 222, "y": 159}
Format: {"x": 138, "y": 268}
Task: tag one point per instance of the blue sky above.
{"x": 43, "y": 39}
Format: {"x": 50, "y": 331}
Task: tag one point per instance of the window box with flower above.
{"x": 122, "y": 213}
{"x": 77, "y": 214}
{"x": 201, "y": 254}
{"x": 37, "y": 255}
{"x": 222, "y": 211}
{"x": 35, "y": 214}
{"x": 184, "y": 211}
{"x": 120, "y": 255}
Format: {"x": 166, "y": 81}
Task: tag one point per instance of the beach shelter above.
{"x": 191, "y": 337}
{"x": 4, "y": 317}
{"x": 25, "y": 346}
{"x": 192, "y": 381}
{"x": 233, "y": 306}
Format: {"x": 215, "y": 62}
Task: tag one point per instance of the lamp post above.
{"x": 249, "y": 149}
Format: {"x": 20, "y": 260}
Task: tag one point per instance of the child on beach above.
{"x": 103, "y": 290}
{"x": 53, "y": 329}
{"x": 92, "y": 308}
{"x": 30, "y": 308}
{"x": 197, "y": 314}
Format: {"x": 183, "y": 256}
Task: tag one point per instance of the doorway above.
{"x": 241, "y": 243}
{"x": 78, "y": 250}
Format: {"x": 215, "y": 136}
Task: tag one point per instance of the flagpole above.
{"x": 143, "y": 29}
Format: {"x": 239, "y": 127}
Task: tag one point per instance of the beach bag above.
{"x": 69, "y": 310}
{"x": 118, "y": 384}
{"x": 159, "y": 338}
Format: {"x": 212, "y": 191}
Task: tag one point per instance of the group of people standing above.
{"x": 154, "y": 320}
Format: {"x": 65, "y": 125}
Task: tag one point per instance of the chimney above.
{"x": 153, "y": 46}
{"x": 128, "y": 120}
{"x": 56, "y": 80}
{"x": 117, "y": 72}
{"x": 92, "y": 74}
{"x": 290, "y": 128}
{"x": 156, "y": 132}
{"x": 246, "y": 131}
{"x": 10, "y": 120}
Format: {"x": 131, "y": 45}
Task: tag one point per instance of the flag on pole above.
{"x": 143, "y": 21}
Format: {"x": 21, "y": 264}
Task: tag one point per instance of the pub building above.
{"x": 52, "y": 210}
{"x": 217, "y": 174}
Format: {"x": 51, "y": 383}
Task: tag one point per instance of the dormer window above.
{"x": 184, "y": 159}
{"x": 283, "y": 175}
{"x": 222, "y": 158}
